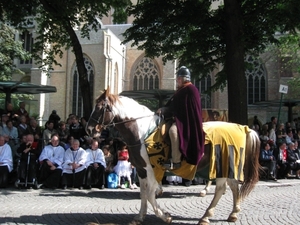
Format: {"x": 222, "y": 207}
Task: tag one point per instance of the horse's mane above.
{"x": 113, "y": 99}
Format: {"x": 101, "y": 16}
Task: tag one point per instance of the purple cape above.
{"x": 186, "y": 108}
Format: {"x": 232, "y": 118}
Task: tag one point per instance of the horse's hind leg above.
{"x": 234, "y": 186}
{"x": 206, "y": 189}
{"x": 220, "y": 189}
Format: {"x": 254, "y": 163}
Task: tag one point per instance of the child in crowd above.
{"x": 123, "y": 167}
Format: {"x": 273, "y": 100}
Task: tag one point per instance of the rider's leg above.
{"x": 176, "y": 154}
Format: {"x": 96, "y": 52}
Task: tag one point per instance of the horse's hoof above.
{"x": 135, "y": 222}
{"x": 202, "y": 194}
{"x": 232, "y": 219}
{"x": 203, "y": 223}
{"x": 168, "y": 218}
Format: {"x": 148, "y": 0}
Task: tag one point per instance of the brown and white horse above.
{"x": 134, "y": 121}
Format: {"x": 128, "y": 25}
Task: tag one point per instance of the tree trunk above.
{"x": 83, "y": 77}
{"x": 234, "y": 63}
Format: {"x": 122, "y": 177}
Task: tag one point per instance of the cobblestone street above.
{"x": 269, "y": 203}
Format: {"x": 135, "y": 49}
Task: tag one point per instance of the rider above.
{"x": 184, "y": 109}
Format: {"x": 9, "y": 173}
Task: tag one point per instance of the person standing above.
{"x": 51, "y": 160}
{"x": 55, "y": 118}
{"x": 185, "y": 113}
{"x": 6, "y": 162}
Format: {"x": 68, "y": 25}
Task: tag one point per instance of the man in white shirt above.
{"x": 6, "y": 162}
{"x": 74, "y": 166}
{"x": 51, "y": 160}
{"x": 95, "y": 166}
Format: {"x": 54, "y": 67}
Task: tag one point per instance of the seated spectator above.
{"x": 96, "y": 165}
{"x": 21, "y": 111}
{"x": 51, "y": 160}
{"x": 10, "y": 132}
{"x": 48, "y": 132}
{"x": 109, "y": 158}
{"x": 282, "y": 164}
{"x": 289, "y": 138}
{"x": 22, "y": 127}
{"x": 4, "y": 118}
{"x": 264, "y": 136}
{"x": 280, "y": 134}
{"x": 69, "y": 142}
{"x": 77, "y": 130}
{"x": 267, "y": 159}
{"x": 63, "y": 132}
{"x": 11, "y": 114}
{"x": 293, "y": 159}
{"x": 6, "y": 162}
{"x": 74, "y": 166}
{"x": 133, "y": 177}
{"x": 29, "y": 154}
{"x": 35, "y": 129}
{"x": 123, "y": 168}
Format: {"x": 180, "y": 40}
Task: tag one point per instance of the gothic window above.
{"x": 77, "y": 104}
{"x": 203, "y": 85}
{"x": 27, "y": 40}
{"x": 256, "y": 80}
{"x": 146, "y": 75}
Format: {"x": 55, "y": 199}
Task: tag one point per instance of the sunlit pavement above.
{"x": 270, "y": 203}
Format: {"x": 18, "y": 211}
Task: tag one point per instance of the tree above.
{"x": 56, "y": 21}
{"x": 10, "y": 49}
{"x": 201, "y": 37}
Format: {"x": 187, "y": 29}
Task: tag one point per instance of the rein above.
{"x": 106, "y": 108}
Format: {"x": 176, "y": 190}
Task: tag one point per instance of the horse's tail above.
{"x": 252, "y": 166}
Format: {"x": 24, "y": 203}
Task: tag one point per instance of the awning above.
{"x": 17, "y": 87}
{"x": 290, "y": 103}
{"x": 159, "y": 94}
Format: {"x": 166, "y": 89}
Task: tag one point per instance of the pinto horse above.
{"x": 135, "y": 121}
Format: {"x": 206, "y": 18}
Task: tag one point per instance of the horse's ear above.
{"x": 107, "y": 91}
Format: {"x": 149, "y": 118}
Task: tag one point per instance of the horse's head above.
{"x": 102, "y": 115}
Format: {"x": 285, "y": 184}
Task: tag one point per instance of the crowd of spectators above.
{"x": 59, "y": 154}
{"x": 280, "y": 153}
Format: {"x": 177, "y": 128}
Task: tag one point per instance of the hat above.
{"x": 184, "y": 72}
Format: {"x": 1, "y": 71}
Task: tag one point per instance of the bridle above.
{"x": 104, "y": 109}
{"x": 107, "y": 109}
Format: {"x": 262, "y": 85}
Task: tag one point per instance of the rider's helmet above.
{"x": 184, "y": 72}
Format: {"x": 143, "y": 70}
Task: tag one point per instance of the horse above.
{"x": 135, "y": 121}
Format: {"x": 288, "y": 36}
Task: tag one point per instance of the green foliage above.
{"x": 286, "y": 51}
{"x": 152, "y": 104}
{"x": 194, "y": 33}
{"x": 294, "y": 88}
{"x": 55, "y": 20}
{"x": 10, "y": 50}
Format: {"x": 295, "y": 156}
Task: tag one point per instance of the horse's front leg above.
{"x": 220, "y": 189}
{"x": 154, "y": 190}
{"x": 143, "y": 195}
{"x": 206, "y": 189}
{"x": 234, "y": 186}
